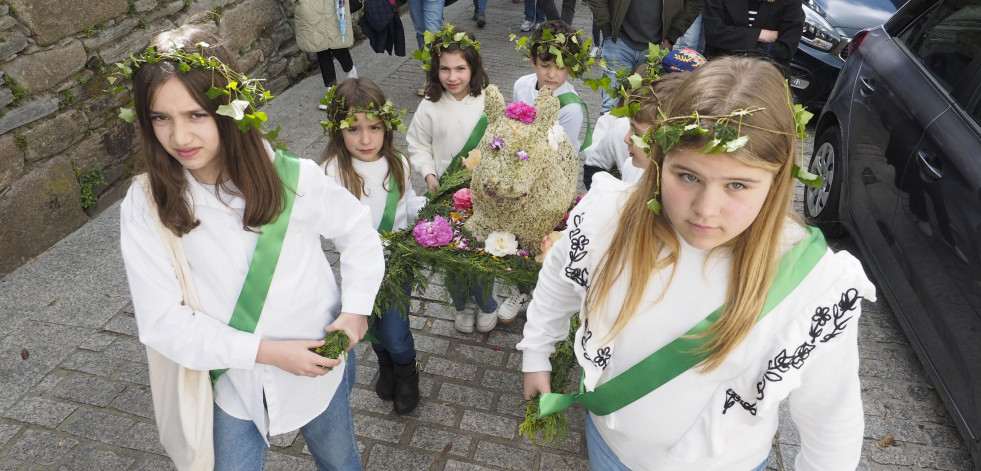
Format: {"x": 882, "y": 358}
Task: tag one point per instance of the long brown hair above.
{"x": 242, "y": 159}
{"x": 478, "y": 76}
{"x": 645, "y": 242}
{"x": 352, "y": 94}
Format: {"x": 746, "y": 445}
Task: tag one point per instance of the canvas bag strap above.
{"x": 252, "y": 298}
{"x": 570, "y": 98}
{"x": 682, "y": 354}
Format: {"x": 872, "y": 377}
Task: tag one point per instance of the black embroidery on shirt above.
{"x": 603, "y": 355}
{"x": 826, "y": 324}
{"x": 577, "y": 251}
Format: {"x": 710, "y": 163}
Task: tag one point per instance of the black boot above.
{"x": 385, "y": 387}
{"x": 406, "y": 387}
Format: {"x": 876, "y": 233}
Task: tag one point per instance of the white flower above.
{"x": 501, "y": 243}
{"x": 236, "y": 110}
{"x": 555, "y": 136}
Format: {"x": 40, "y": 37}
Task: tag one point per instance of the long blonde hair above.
{"x": 645, "y": 243}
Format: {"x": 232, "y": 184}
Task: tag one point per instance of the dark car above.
{"x": 828, "y": 25}
{"x": 899, "y": 147}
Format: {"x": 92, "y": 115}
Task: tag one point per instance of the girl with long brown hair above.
{"x": 703, "y": 301}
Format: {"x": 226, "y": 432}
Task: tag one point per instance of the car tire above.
{"x": 821, "y": 205}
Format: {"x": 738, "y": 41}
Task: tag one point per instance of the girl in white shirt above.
{"x": 441, "y": 126}
{"x": 361, "y": 156}
{"x": 721, "y": 299}
{"x": 215, "y": 186}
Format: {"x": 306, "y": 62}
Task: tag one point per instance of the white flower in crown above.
{"x": 555, "y": 136}
{"x": 235, "y": 110}
{"x": 500, "y": 244}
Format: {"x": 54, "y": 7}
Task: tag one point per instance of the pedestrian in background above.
{"x": 324, "y": 27}
{"x": 767, "y": 28}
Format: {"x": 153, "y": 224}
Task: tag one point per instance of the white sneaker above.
{"x": 526, "y": 25}
{"x": 595, "y": 52}
{"x": 508, "y": 311}
{"x": 486, "y": 321}
{"x": 464, "y": 320}
{"x": 353, "y": 73}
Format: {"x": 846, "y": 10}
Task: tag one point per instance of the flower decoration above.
{"x": 497, "y": 143}
{"x": 522, "y": 112}
{"x": 472, "y": 159}
{"x": 441, "y": 40}
{"x": 341, "y": 116}
{"x": 570, "y": 50}
{"x": 461, "y": 199}
{"x": 500, "y": 244}
{"x": 435, "y": 233}
{"x": 522, "y": 155}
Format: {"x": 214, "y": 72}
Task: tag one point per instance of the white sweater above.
{"x": 570, "y": 117}
{"x": 712, "y": 421}
{"x": 439, "y": 130}
{"x": 375, "y": 175}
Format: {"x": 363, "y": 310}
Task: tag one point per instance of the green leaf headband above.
{"x": 445, "y": 37}
{"x": 558, "y": 45}
{"x": 624, "y": 81}
{"x": 335, "y": 109}
{"x": 245, "y": 95}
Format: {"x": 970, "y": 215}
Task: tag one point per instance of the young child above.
{"x": 362, "y": 157}
{"x": 438, "y": 138}
{"x": 715, "y": 307}
{"x": 548, "y": 73}
{"x": 217, "y": 188}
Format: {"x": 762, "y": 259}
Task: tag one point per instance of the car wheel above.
{"x": 821, "y": 204}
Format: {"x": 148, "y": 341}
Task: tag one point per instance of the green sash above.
{"x": 245, "y": 317}
{"x": 570, "y": 98}
{"x": 472, "y": 142}
{"x": 388, "y": 217}
{"x": 681, "y": 354}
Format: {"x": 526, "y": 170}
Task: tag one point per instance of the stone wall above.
{"x": 64, "y": 155}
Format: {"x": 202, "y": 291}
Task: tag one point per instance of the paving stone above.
{"x": 136, "y": 373}
{"x": 505, "y": 340}
{"x": 510, "y": 381}
{"x": 363, "y": 399}
{"x": 386, "y": 457}
{"x": 480, "y": 422}
{"x": 8, "y": 431}
{"x": 284, "y": 440}
{"x": 98, "y": 341}
{"x": 129, "y": 349}
{"x": 446, "y": 329}
{"x": 284, "y": 462}
{"x": 440, "y": 311}
{"x": 943, "y": 459}
{"x": 454, "y": 465}
{"x": 435, "y": 413}
{"x": 504, "y": 456}
{"x": 90, "y": 362}
{"x": 123, "y": 324}
{"x": 85, "y": 458}
{"x": 135, "y": 400}
{"x": 157, "y": 463}
{"x": 573, "y": 442}
{"x": 478, "y": 354}
{"x": 465, "y": 396}
{"x": 788, "y": 453}
{"x": 450, "y": 368}
{"x": 416, "y": 323}
{"x": 889, "y": 456}
{"x": 143, "y": 437}
{"x": 564, "y": 462}
{"x": 365, "y": 375}
{"x": 514, "y": 361}
{"x": 378, "y": 428}
{"x": 40, "y": 447}
{"x": 49, "y": 382}
{"x": 40, "y": 411}
{"x": 89, "y": 390}
{"x": 97, "y": 425}
{"x": 439, "y": 440}
{"x": 428, "y": 344}
{"x": 513, "y": 405}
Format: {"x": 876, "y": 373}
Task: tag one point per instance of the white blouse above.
{"x": 303, "y": 297}
{"x": 439, "y": 130}
{"x": 376, "y": 179}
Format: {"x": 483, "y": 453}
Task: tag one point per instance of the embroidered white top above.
{"x": 570, "y": 117}
{"x": 725, "y": 419}
{"x": 375, "y": 175}
{"x": 303, "y": 298}
{"x": 439, "y": 130}
{"x": 609, "y": 149}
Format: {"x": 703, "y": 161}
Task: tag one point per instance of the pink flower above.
{"x": 497, "y": 143}
{"x": 522, "y": 155}
{"x": 433, "y": 233}
{"x": 461, "y": 199}
{"x": 522, "y": 112}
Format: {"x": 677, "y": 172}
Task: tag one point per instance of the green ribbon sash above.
{"x": 471, "y": 144}
{"x": 682, "y": 354}
{"x": 391, "y": 203}
{"x": 570, "y": 98}
{"x": 247, "y": 310}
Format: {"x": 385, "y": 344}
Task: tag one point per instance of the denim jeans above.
{"x": 392, "y": 331}
{"x": 480, "y": 6}
{"x": 330, "y": 436}
{"x": 427, "y": 15}
{"x": 551, "y": 13}
{"x": 464, "y": 286}
{"x": 618, "y": 55}
{"x": 694, "y": 38}
{"x": 602, "y": 458}
{"x": 534, "y": 12}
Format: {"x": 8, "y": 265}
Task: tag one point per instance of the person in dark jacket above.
{"x": 769, "y": 28}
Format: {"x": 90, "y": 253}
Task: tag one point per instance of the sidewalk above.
{"x": 73, "y": 380}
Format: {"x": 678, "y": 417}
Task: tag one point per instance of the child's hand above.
{"x": 354, "y": 325}
{"x": 538, "y": 382}
{"x": 295, "y": 357}
{"x": 432, "y": 182}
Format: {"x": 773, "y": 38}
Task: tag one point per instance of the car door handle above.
{"x": 867, "y": 85}
{"x": 929, "y": 165}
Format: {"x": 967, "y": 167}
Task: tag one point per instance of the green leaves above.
{"x": 570, "y": 51}
{"x": 442, "y": 39}
{"x": 654, "y": 205}
{"x": 127, "y": 114}
{"x": 807, "y": 178}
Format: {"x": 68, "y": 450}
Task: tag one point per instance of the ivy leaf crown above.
{"x": 561, "y": 45}
{"x": 341, "y": 117}
{"x": 630, "y": 86}
{"x": 244, "y": 96}
{"x": 442, "y": 39}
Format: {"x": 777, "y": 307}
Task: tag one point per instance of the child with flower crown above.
{"x": 704, "y": 303}
{"x": 219, "y": 189}
{"x": 438, "y": 139}
{"x": 361, "y": 156}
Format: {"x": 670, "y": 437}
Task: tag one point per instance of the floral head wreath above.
{"x": 443, "y": 39}
{"x": 340, "y": 116}
{"x": 726, "y": 133}
{"x": 625, "y": 81}
{"x": 558, "y": 45}
{"x": 244, "y": 96}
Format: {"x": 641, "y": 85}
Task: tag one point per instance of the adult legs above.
{"x": 568, "y": 11}
{"x": 427, "y": 15}
{"x": 343, "y": 57}
{"x": 479, "y": 9}
{"x": 325, "y": 59}
{"x": 694, "y": 38}
{"x": 330, "y": 436}
{"x": 618, "y": 55}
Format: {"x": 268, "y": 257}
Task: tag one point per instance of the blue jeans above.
{"x": 602, "y": 458}
{"x": 464, "y": 286}
{"x": 618, "y": 55}
{"x": 534, "y": 12}
{"x": 480, "y": 6}
{"x": 392, "y": 331}
{"x": 330, "y": 436}
{"x": 427, "y": 15}
{"x": 694, "y": 38}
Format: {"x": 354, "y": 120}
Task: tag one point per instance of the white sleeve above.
{"x": 570, "y": 117}
{"x": 412, "y": 201}
{"x": 190, "y": 338}
{"x": 602, "y": 154}
{"x": 420, "y": 139}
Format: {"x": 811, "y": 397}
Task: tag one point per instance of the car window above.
{"x": 947, "y": 41}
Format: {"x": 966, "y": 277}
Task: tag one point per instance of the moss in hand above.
{"x": 335, "y": 345}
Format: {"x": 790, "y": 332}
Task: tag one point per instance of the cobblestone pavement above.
{"x": 73, "y": 380}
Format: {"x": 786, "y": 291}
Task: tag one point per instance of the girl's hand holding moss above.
{"x": 295, "y": 356}
{"x": 354, "y": 325}
{"x": 538, "y": 382}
